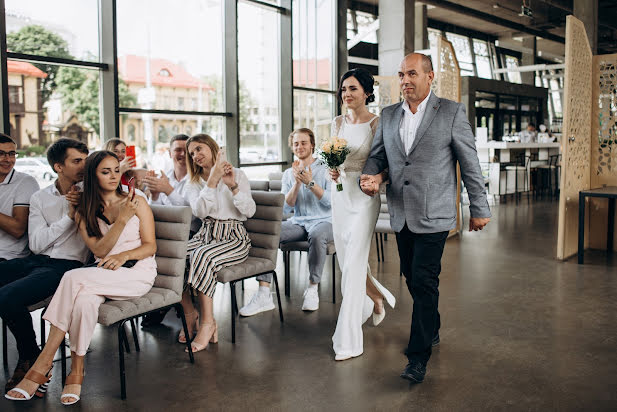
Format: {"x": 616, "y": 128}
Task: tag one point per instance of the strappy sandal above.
{"x": 36, "y": 377}
{"x": 72, "y": 379}
{"x": 196, "y": 346}
{"x": 181, "y": 335}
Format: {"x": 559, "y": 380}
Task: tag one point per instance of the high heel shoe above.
{"x": 378, "y": 317}
{"x": 36, "y": 377}
{"x": 72, "y": 379}
{"x": 386, "y": 295}
{"x": 195, "y": 316}
{"x": 214, "y": 338}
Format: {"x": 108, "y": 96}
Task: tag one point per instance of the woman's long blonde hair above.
{"x": 195, "y": 171}
{"x": 111, "y": 144}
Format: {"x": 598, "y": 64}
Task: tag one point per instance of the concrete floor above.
{"x": 520, "y": 331}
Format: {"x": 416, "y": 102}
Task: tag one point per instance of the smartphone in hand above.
{"x": 130, "y": 152}
{"x": 132, "y": 187}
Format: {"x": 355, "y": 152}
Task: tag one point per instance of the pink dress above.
{"x": 75, "y": 305}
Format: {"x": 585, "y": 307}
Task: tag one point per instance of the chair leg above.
{"x": 180, "y": 312}
{"x": 125, "y": 339}
{"x": 63, "y": 360}
{"x": 334, "y": 278}
{"x": 121, "y": 342}
{"x": 233, "y": 312}
{"x": 5, "y": 355}
{"x": 377, "y": 246}
{"x": 286, "y": 256}
{"x": 278, "y": 295}
{"x": 383, "y": 258}
{"x": 134, "y": 330}
{"x": 43, "y": 328}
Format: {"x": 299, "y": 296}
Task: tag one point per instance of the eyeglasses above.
{"x": 11, "y": 154}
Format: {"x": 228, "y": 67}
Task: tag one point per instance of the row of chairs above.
{"x": 539, "y": 177}
{"x": 172, "y": 225}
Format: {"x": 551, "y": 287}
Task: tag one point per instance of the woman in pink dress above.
{"x": 119, "y": 230}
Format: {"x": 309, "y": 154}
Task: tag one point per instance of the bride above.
{"x": 354, "y": 215}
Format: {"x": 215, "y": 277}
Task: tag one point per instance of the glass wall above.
{"x": 56, "y": 93}
{"x": 313, "y": 23}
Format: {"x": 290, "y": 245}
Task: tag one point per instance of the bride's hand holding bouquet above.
{"x": 333, "y": 152}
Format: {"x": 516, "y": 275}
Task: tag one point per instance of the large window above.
{"x": 483, "y": 63}
{"x": 169, "y": 60}
{"x": 259, "y": 84}
{"x": 314, "y": 65}
{"x": 53, "y": 73}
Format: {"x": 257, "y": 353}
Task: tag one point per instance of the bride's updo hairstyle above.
{"x": 364, "y": 78}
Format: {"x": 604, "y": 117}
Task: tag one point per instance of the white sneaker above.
{"x": 260, "y": 302}
{"x": 311, "y": 299}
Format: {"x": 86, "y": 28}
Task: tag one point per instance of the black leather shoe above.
{"x": 414, "y": 372}
{"x": 436, "y": 340}
{"x": 154, "y": 318}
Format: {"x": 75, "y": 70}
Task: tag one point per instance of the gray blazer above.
{"x": 422, "y": 184}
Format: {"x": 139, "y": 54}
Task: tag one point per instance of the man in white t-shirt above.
{"x": 56, "y": 245}
{"x": 15, "y": 191}
{"x": 169, "y": 190}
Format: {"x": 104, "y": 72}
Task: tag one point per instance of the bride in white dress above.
{"x": 354, "y": 215}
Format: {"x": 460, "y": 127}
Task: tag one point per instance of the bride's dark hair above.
{"x": 91, "y": 204}
{"x": 364, "y": 78}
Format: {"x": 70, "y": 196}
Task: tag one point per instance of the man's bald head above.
{"x": 427, "y": 62}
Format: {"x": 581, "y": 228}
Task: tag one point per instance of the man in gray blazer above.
{"x": 420, "y": 141}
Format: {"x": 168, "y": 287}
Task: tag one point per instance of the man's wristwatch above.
{"x": 310, "y": 184}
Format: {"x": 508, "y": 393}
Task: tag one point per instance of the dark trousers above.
{"x": 24, "y": 282}
{"x": 420, "y": 255}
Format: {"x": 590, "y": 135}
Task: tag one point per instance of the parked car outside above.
{"x": 36, "y": 167}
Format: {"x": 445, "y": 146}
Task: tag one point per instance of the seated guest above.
{"x": 119, "y": 230}
{"x": 306, "y": 186}
{"x": 15, "y": 191}
{"x": 126, "y": 163}
{"x": 170, "y": 189}
{"x": 220, "y": 195}
{"x": 57, "y": 248}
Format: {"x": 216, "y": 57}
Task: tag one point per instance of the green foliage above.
{"x": 38, "y": 40}
{"x": 79, "y": 89}
{"x": 35, "y": 149}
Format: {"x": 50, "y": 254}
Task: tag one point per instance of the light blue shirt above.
{"x": 309, "y": 210}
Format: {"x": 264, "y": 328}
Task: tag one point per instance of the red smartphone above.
{"x": 132, "y": 186}
{"x": 130, "y": 152}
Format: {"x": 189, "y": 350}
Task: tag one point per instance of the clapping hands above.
{"x": 300, "y": 174}
{"x": 157, "y": 185}
{"x": 222, "y": 169}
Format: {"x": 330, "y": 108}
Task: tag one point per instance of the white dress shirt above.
{"x": 177, "y": 197}
{"x": 15, "y": 191}
{"x": 410, "y": 122}
{"x": 219, "y": 203}
{"x": 50, "y": 230}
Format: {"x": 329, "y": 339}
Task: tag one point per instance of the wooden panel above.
{"x": 447, "y": 84}
{"x": 603, "y": 144}
{"x": 575, "y": 165}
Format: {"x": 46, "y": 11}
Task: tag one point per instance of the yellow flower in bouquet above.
{"x": 333, "y": 152}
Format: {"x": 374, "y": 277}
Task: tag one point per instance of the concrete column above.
{"x": 420, "y": 29}
{"x": 587, "y": 12}
{"x": 396, "y": 33}
{"x": 529, "y": 58}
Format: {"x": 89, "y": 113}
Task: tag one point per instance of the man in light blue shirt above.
{"x": 306, "y": 186}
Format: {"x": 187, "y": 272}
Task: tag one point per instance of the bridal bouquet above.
{"x": 333, "y": 152}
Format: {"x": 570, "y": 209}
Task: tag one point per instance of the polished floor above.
{"x": 520, "y": 331}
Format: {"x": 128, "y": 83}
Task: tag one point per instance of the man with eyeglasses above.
{"x": 15, "y": 191}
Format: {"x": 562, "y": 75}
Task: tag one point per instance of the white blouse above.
{"x": 219, "y": 203}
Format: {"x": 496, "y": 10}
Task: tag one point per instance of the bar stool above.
{"x": 521, "y": 165}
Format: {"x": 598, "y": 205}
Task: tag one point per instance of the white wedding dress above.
{"x": 354, "y": 216}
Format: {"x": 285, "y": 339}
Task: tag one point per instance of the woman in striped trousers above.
{"x": 220, "y": 196}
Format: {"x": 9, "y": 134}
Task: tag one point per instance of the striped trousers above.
{"x": 218, "y": 244}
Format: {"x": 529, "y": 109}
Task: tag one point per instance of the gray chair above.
{"x": 172, "y": 226}
{"x": 264, "y": 229}
{"x": 275, "y": 179}
{"x": 259, "y": 185}
{"x": 382, "y": 227}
